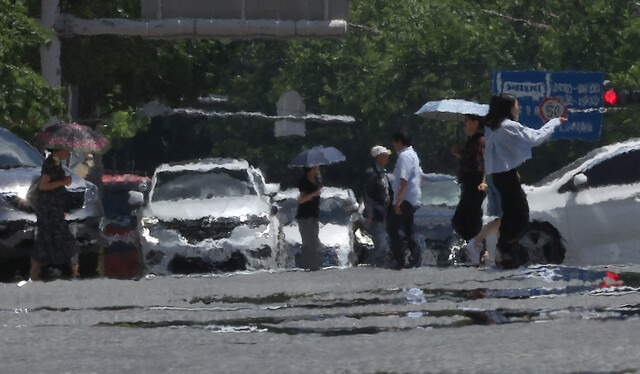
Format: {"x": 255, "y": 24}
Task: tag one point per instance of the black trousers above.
{"x": 467, "y": 220}
{"x": 404, "y": 221}
{"x": 515, "y": 217}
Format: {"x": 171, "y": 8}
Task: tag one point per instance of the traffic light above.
{"x": 617, "y": 96}
{"x": 611, "y": 97}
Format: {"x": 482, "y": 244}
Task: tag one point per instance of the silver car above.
{"x": 433, "y": 231}
{"x": 338, "y": 220}
{"x": 206, "y": 216}
{"x": 20, "y": 163}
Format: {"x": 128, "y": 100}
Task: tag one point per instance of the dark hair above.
{"x": 306, "y": 169}
{"x": 499, "y": 110}
{"x": 403, "y": 137}
{"x": 475, "y": 117}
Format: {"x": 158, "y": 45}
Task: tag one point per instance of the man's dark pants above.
{"x": 403, "y": 221}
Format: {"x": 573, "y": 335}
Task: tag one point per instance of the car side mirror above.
{"x": 580, "y": 181}
{"x": 270, "y": 189}
{"x": 136, "y": 198}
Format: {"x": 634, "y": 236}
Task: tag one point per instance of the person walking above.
{"x": 406, "y": 186}
{"x": 507, "y": 146}
{"x": 467, "y": 219}
{"x": 54, "y": 244}
{"x": 377, "y": 201}
{"x": 307, "y": 217}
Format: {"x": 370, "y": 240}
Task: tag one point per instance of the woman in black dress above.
{"x": 308, "y": 212}
{"x": 54, "y": 243}
{"x": 467, "y": 220}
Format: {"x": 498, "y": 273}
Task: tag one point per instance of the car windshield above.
{"x": 441, "y": 193}
{"x": 189, "y": 184}
{"x": 559, "y": 173}
{"x": 333, "y": 211}
{"x": 15, "y": 152}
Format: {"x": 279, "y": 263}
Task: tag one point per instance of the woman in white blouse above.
{"x": 508, "y": 144}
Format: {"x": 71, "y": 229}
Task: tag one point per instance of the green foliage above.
{"x": 123, "y": 125}
{"x": 23, "y": 93}
{"x": 406, "y": 53}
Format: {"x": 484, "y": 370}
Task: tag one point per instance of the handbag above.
{"x": 33, "y": 191}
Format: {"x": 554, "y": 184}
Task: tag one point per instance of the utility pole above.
{"x": 50, "y": 56}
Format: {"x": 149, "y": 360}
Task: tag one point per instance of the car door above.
{"x": 604, "y": 213}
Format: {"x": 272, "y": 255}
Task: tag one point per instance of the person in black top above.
{"x": 377, "y": 198}
{"x": 54, "y": 243}
{"x": 467, "y": 219}
{"x": 308, "y": 212}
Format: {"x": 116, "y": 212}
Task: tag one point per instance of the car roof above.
{"x": 595, "y": 155}
{"x": 204, "y": 164}
{"x": 16, "y": 152}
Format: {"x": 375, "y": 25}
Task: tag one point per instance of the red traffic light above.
{"x": 611, "y": 97}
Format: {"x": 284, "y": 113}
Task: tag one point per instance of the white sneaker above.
{"x": 473, "y": 252}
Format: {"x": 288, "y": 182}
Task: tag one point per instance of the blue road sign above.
{"x": 543, "y": 95}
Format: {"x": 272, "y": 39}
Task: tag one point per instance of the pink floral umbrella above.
{"x": 74, "y": 137}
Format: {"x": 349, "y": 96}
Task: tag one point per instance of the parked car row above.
{"x": 221, "y": 215}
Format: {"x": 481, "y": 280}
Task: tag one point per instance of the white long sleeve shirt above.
{"x": 510, "y": 145}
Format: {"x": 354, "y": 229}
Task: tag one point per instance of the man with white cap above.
{"x": 377, "y": 201}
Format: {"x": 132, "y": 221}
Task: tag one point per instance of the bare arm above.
{"x": 46, "y": 184}
{"x": 483, "y": 185}
{"x": 305, "y": 197}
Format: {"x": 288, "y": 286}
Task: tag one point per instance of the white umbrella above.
{"x": 451, "y": 109}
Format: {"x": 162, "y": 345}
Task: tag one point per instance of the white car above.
{"x": 590, "y": 208}
{"x": 208, "y": 215}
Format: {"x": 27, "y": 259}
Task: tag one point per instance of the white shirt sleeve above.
{"x": 529, "y": 136}
{"x": 403, "y": 168}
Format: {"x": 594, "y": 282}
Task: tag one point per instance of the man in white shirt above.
{"x": 406, "y": 185}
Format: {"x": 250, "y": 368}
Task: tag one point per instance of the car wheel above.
{"x": 543, "y": 243}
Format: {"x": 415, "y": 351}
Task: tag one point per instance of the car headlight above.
{"x": 149, "y": 221}
{"x": 14, "y": 201}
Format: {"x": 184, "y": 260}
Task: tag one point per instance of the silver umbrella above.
{"x": 452, "y": 109}
{"x": 317, "y": 155}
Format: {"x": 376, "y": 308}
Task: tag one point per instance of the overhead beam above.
{"x": 295, "y": 10}
{"x": 202, "y": 28}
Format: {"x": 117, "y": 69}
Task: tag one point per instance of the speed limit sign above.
{"x": 551, "y": 108}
